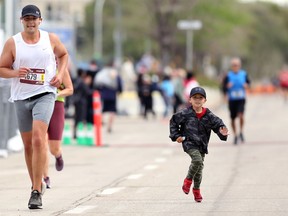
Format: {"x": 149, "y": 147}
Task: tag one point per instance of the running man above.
{"x": 236, "y": 83}
{"x": 29, "y": 59}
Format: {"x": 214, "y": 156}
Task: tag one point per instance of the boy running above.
{"x": 192, "y": 127}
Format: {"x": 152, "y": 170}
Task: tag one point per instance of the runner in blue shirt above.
{"x": 235, "y": 83}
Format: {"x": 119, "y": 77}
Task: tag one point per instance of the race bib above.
{"x": 238, "y": 94}
{"x": 35, "y": 77}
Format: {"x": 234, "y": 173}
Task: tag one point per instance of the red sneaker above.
{"x": 197, "y": 195}
{"x": 186, "y": 185}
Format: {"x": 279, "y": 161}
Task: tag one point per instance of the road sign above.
{"x": 189, "y": 24}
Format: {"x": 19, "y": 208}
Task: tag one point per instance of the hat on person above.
{"x": 31, "y": 10}
{"x": 198, "y": 90}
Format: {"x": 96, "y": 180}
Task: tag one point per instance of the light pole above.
{"x": 189, "y": 26}
{"x": 118, "y": 35}
{"x": 98, "y": 11}
{"x": 9, "y": 18}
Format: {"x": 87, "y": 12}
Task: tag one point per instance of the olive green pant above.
{"x": 196, "y": 167}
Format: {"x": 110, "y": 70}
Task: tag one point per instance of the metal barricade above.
{"x": 8, "y": 122}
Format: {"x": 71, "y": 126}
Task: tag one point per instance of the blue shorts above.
{"x": 39, "y": 107}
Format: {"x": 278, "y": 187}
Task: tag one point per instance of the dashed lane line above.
{"x": 135, "y": 176}
{"x": 110, "y": 191}
{"x": 151, "y": 167}
{"x": 79, "y": 209}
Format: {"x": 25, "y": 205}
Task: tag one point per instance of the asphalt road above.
{"x": 139, "y": 171}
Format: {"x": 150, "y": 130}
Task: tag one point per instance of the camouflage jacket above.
{"x": 196, "y": 131}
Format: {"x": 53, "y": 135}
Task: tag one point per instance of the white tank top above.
{"x": 40, "y": 58}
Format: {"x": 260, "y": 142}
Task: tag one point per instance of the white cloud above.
{"x": 279, "y": 2}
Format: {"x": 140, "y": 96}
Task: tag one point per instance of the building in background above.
{"x": 60, "y": 10}
{"x": 59, "y": 16}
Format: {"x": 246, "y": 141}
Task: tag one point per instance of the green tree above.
{"x": 255, "y": 32}
{"x": 267, "y": 41}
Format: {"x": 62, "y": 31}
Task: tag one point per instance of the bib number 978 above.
{"x": 34, "y": 77}
{"x": 31, "y": 76}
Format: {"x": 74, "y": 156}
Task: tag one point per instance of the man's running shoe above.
{"x": 47, "y": 181}
{"x": 241, "y": 137}
{"x": 235, "y": 140}
{"x": 43, "y": 187}
{"x": 35, "y": 201}
{"x": 59, "y": 163}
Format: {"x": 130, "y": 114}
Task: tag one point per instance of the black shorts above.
{"x": 109, "y": 106}
{"x": 235, "y": 107}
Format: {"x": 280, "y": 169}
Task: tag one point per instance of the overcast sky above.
{"x": 280, "y": 2}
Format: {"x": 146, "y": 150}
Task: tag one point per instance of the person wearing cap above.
{"x": 192, "y": 127}
{"x": 235, "y": 84}
{"x": 29, "y": 58}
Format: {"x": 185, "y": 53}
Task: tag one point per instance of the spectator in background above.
{"x": 236, "y": 83}
{"x": 283, "y": 82}
{"x": 167, "y": 91}
{"x": 139, "y": 85}
{"x": 109, "y": 83}
{"x": 82, "y": 92}
{"x": 178, "y": 81}
{"x": 91, "y": 73}
{"x": 146, "y": 90}
{"x": 189, "y": 83}
{"x": 128, "y": 75}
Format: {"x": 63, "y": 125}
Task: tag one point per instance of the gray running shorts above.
{"x": 39, "y": 107}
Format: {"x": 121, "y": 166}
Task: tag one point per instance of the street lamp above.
{"x": 189, "y": 26}
{"x": 98, "y": 11}
{"x": 118, "y": 35}
{"x": 98, "y": 26}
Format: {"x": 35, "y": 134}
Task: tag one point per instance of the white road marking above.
{"x": 79, "y": 209}
{"x": 150, "y": 167}
{"x": 160, "y": 160}
{"x": 109, "y": 191}
{"x": 134, "y": 176}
